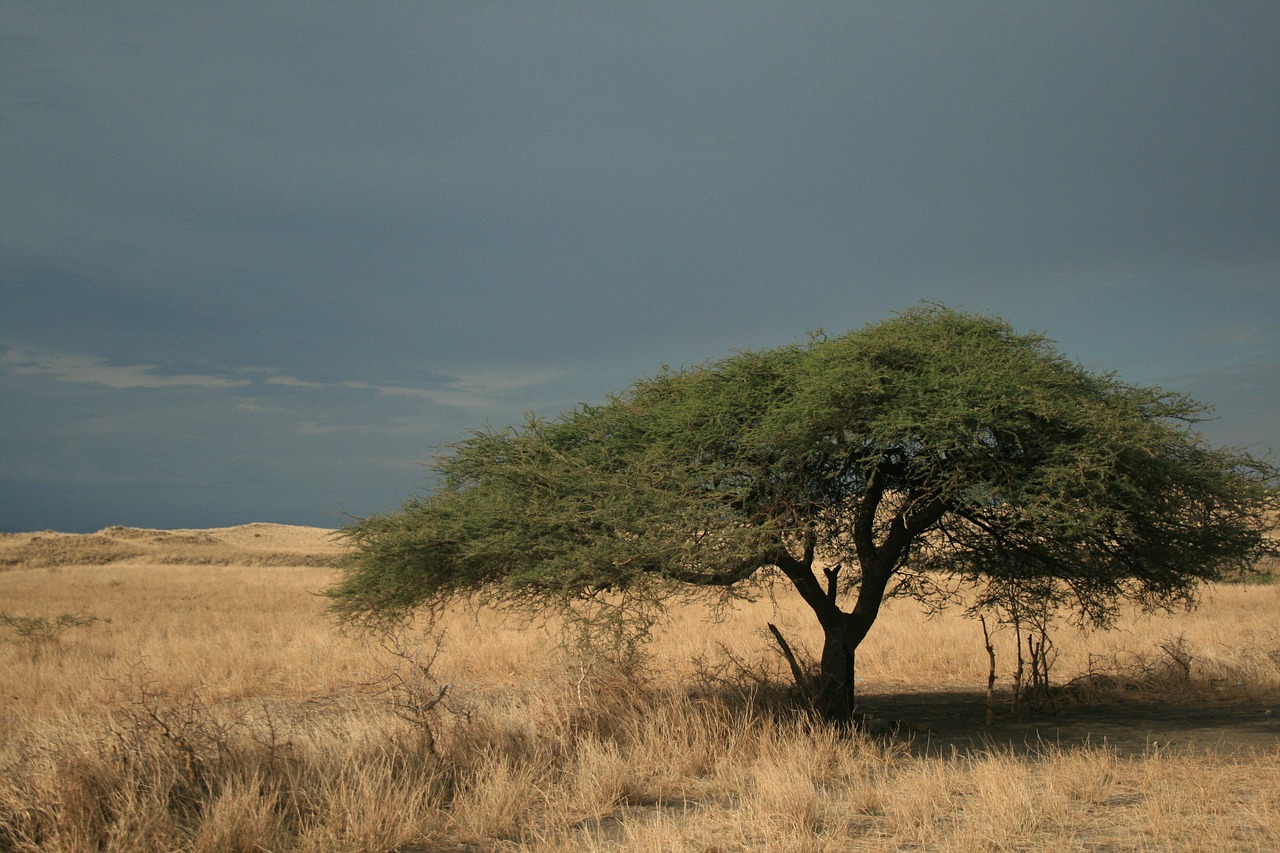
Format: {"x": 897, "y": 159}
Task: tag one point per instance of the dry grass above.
{"x": 218, "y": 710}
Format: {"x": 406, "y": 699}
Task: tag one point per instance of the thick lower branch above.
{"x": 800, "y": 573}
{"x": 727, "y": 577}
{"x": 797, "y": 671}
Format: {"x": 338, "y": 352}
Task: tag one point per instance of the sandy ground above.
{"x": 246, "y": 544}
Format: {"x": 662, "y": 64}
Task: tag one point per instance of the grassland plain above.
{"x": 197, "y": 697}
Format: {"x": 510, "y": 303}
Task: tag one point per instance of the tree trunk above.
{"x": 832, "y": 693}
{"x": 834, "y": 696}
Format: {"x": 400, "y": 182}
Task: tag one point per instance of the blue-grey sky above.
{"x": 259, "y": 260}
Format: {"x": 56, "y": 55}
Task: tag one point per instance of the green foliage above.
{"x": 934, "y": 444}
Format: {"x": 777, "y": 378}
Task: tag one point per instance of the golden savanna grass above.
{"x": 220, "y": 710}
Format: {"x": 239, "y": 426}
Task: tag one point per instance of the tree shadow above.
{"x": 954, "y": 722}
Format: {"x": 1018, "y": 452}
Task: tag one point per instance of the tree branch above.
{"x": 905, "y": 528}
{"x": 800, "y": 573}
{"x": 727, "y": 577}
{"x": 864, "y": 524}
{"x": 832, "y": 573}
{"x": 797, "y": 671}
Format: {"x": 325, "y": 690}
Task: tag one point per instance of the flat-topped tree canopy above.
{"x": 933, "y": 442}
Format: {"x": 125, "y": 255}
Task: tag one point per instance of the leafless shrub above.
{"x": 756, "y": 682}
{"x": 179, "y": 740}
{"x": 409, "y": 688}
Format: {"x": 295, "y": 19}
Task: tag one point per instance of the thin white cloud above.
{"x": 353, "y": 385}
{"x": 493, "y": 382}
{"x": 311, "y": 428}
{"x": 468, "y": 390}
{"x": 254, "y": 406}
{"x": 85, "y": 369}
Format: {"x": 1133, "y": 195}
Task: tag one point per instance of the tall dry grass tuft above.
{"x": 244, "y": 817}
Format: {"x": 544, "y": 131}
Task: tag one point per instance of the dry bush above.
{"x": 1176, "y": 668}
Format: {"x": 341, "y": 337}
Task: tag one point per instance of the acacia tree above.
{"x": 936, "y": 446}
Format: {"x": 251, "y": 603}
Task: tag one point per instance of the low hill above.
{"x": 246, "y": 544}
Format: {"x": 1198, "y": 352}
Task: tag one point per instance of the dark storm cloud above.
{"x": 429, "y": 215}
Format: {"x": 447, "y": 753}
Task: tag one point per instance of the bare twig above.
{"x": 991, "y": 673}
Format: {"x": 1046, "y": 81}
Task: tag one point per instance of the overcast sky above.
{"x": 259, "y": 260}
